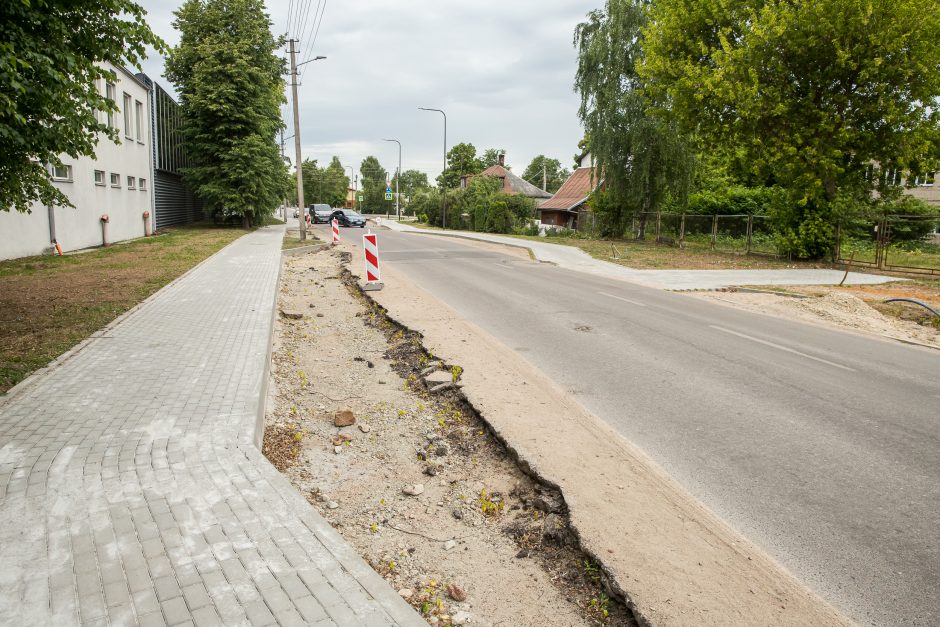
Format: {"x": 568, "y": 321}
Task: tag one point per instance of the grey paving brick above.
{"x": 154, "y": 619}
{"x": 258, "y": 614}
{"x": 167, "y": 588}
{"x": 276, "y": 599}
{"x": 162, "y": 498}
{"x": 175, "y": 611}
{"x": 196, "y": 596}
{"x": 310, "y": 609}
{"x": 206, "y": 617}
{"x": 145, "y": 601}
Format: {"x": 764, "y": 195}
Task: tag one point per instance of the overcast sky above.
{"x": 501, "y": 70}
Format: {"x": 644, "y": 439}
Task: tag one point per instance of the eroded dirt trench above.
{"x": 418, "y": 485}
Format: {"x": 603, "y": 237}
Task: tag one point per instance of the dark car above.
{"x": 321, "y": 213}
{"x": 348, "y": 217}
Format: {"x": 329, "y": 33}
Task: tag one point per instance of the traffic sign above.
{"x": 360, "y": 197}
{"x": 388, "y": 195}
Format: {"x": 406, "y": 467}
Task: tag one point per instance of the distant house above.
{"x": 511, "y": 184}
{"x": 567, "y": 208}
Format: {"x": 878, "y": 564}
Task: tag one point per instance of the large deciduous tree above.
{"x": 374, "y": 178}
{"x": 462, "y": 161}
{"x": 645, "y": 160}
{"x": 546, "y": 173}
{"x": 807, "y": 94}
{"x": 230, "y": 82}
{"x": 329, "y": 184}
{"x": 50, "y": 60}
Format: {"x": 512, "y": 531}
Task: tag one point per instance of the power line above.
{"x": 316, "y": 31}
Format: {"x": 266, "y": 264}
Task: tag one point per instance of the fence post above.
{"x": 882, "y": 243}
{"x": 714, "y": 231}
{"x": 750, "y": 229}
{"x": 659, "y": 218}
{"x": 682, "y": 231}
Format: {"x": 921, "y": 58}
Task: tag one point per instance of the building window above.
{"x": 110, "y": 93}
{"x": 62, "y": 173}
{"x": 139, "y": 111}
{"x": 131, "y": 182}
{"x": 142, "y": 184}
{"x": 99, "y": 177}
{"x": 127, "y": 116}
{"x": 115, "y": 179}
{"x": 925, "y": 180}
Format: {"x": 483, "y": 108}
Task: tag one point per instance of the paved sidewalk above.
{"x": 131, "y": 487}
{"x": 573, "y": 258}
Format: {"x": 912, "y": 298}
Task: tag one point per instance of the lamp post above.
{"x": 397, "y": 180}
{"x": 300, "y": 176}
{"x": 444, "y": 173}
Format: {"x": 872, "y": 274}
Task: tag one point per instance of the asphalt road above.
{"x": 822, "y": 447}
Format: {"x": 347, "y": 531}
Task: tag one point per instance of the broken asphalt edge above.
{"x": 713, "y": 598}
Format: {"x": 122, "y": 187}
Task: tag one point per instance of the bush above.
{"x": 733, "y": 200}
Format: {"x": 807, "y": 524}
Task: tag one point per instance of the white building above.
{"x": 117, "y": 183}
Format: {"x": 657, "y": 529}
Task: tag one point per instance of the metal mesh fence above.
{"x": 738, "y": 234}
{"x": 903, "y": 243}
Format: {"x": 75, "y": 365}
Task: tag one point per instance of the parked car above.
{"x": 348, "y": 217}
{"x": 321, "y": 213}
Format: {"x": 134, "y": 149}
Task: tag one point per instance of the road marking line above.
{"x": 626, "y": 300}
{"x": 783, "y": 348}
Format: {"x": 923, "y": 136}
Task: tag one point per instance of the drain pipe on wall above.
{"x": 104, "y": 229}
{"x": 50, "y": 208}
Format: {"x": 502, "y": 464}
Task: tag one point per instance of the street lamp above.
{"x": 397, "y": 179}
{"x": 300, "y": 175}
{"x": 444, "y": 173}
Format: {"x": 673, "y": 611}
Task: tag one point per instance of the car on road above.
{"x": 348, "y": 217}
{"x": 322, "y": 213}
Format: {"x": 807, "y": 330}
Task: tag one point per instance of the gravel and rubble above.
{"x": 374, "y": 431}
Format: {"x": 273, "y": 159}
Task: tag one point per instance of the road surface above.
{"x": 822, "y": 447}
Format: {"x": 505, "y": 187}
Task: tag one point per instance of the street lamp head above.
{"x": 318, "y": 57}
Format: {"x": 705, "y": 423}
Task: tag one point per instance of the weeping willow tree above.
{"x": 643, "y": 158}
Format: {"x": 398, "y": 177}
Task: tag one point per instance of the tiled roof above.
{"x": 574, "y": 191}
{"x": 513, "y": 184}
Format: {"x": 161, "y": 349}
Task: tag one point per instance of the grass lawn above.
{"x": 49, "y": 304}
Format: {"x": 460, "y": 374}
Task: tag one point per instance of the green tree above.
{"x": 806, "y": 94}
{"x": 555, "y": 174}
{"x": 333, "y": 184}
{"x": 374, "y": 177}
{"x": 230, "y": 81}
{"x": 645, "y": 160}
{"x": 51, "y": 53}
{"x": 461, "y": 161}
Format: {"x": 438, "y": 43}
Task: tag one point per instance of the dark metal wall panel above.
{"x": 174, "y": 203}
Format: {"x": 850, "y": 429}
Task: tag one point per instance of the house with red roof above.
{"x": 566, "y": 209}
{"x": 511, "y": 183}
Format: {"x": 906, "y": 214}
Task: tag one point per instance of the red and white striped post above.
{"x": 335, "y": 224}
{"x": 370, "y": 247}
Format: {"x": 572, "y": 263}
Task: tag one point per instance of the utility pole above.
{"x": 544, "y": 176}
{"x": 299, "y": 169}
{"x": 300, "y": 175}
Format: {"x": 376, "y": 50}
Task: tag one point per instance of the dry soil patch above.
{"x": 418, "y": 485}
{"x": 858, "y": 308}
